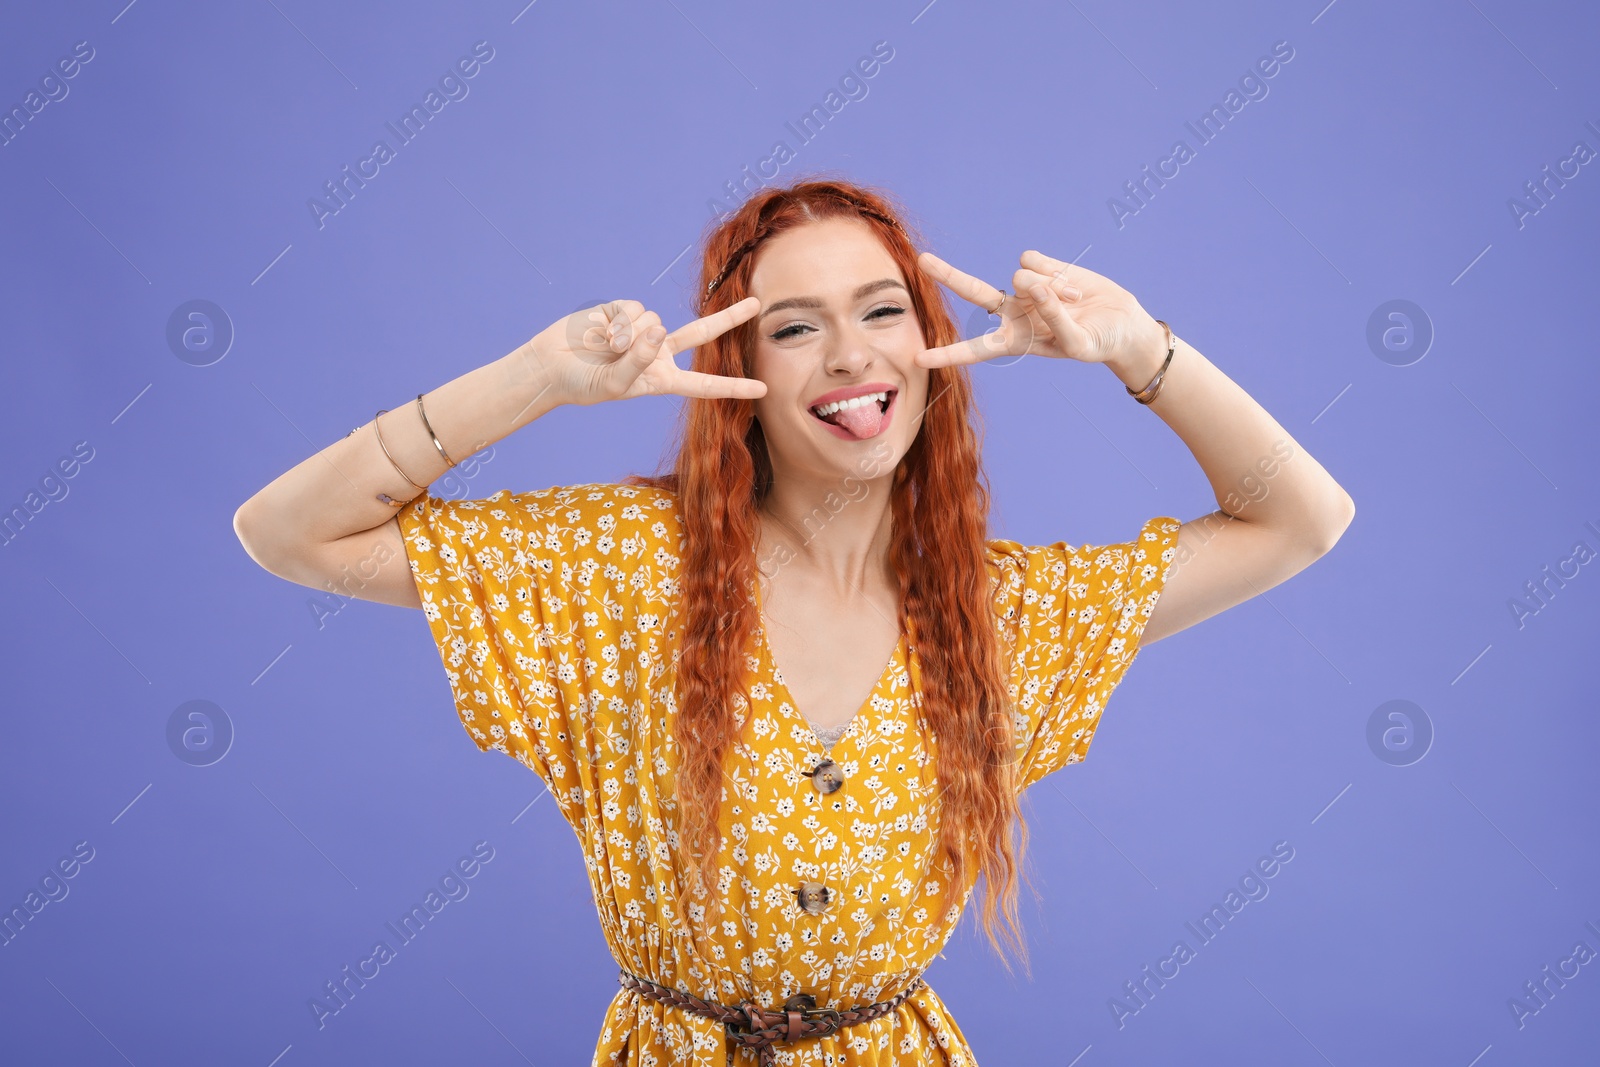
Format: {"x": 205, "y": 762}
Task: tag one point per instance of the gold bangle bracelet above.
{"x": 423, "y": 412}
{"x": 1151, "y": 391}
{"x": 392, "y": 463}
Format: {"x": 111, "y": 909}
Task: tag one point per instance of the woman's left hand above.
{"x": 1059, "y": 310}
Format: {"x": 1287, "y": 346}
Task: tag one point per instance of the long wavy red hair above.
{"x": 940, "y": 507}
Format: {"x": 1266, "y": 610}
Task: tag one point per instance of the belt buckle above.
{"x": 806, "y": 1005}
{"x": 800, "y": 1002}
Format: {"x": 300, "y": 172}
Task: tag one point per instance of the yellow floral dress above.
{"x": 556, "y": 617}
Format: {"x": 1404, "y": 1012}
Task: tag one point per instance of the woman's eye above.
{"x": 877, "y": 313}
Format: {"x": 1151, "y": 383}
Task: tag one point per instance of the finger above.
{"x": 1025, "y": 279}
{"x": 623, "y": 375}
{"x": 975, "y": 290}
{"x": 973, "y": 350}
{"x": 588, "y": 328}
{"x": 622, "y": 309}
{"x": 1037, "y": 260}
{"x": 621, "y": 316}
{"x": 629, "y": 330}
{"x": 695, "y": 384}
{"x": 701, "y": 330}
{"x": 601, "y": 335}
{"x": 1070, "y": 273}
{"x": 1069, "y": 336}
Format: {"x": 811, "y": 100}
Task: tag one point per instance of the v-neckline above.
{"x": 771, "y": 657}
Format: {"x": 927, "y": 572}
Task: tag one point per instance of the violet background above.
{"x": 580, "y": 166}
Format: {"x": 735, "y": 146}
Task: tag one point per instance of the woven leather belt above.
{"x": 752, "y": 1026}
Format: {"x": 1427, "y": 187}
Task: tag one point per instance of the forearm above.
{"x": 334, "y": 493}
{"x": 1258, "y": 472}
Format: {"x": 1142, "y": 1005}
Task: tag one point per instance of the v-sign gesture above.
{"x": 618, "y": 350}
{"x": 1059, "y": 310}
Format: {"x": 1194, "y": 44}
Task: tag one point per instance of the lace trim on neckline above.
{"x": 830, "y": 737}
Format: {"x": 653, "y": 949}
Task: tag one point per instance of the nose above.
{"x": 850, "y": 354}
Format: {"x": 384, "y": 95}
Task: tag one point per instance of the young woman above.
{"x": 778, "y": 852}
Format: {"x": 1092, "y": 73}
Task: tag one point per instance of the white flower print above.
{"x": 557, "y": 621}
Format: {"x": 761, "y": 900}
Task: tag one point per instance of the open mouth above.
{"x": 858, "y": 418}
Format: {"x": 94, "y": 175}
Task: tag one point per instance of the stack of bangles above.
{"x": 385, "y": 497}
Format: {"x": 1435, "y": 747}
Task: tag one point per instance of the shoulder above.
{"x": 637, "y": 506}
{"x": 599, "y": 507}
{"x": 628, "y": 536}
{"x": 634, "y": 518}
{"x": 1012, "y": 557}
{"x": 1012, "y": 563}
{"x": 594, "y": 523}
{"x": 1086, "y": 568}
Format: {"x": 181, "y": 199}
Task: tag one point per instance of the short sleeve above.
{"x": 1070, "y": 620}
{"x": 531, "y": 600}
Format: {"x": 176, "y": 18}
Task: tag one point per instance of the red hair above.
{"x": 940, "y": 502}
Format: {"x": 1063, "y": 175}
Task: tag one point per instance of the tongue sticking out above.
{"x": 862, "y": 421}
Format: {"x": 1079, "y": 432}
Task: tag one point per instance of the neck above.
{"x": 835, "y": 529}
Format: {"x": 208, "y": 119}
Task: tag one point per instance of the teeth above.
{"x": 853, "y": 402}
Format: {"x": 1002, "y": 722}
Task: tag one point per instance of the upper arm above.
{"x": 1222, "y": 561}
{"x": 368, "y": 565}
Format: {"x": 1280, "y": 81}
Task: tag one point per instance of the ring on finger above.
{"x": 997, "y": 307}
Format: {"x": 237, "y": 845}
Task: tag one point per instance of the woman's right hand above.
{"x": 618, "y": 350}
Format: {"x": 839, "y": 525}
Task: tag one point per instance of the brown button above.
{"x": 800, "y": 1002}
{"x": 828, "y": 777}
{"x": 813, "y": 897}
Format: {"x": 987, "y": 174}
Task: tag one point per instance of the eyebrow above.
{"x": 812, "y": 302}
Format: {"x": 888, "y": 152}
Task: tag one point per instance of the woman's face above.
{"x": 836, "y": 321}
